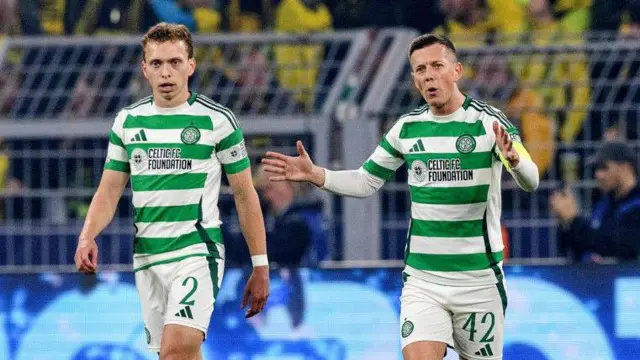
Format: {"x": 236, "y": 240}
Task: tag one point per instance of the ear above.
{"x": 143, "y": 65}
{"x": 414, "y": 80}
{"x": 192, "y": 66}
{"x": 458, "y": 69}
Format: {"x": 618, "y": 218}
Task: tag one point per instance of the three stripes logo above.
{"x": 418, "y": 146}
{"x": 485, "y": 351}
{"x": 140, "y": 136}
{"x": 185, "y": 313}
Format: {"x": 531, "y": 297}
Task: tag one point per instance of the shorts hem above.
{"x": 187, "y": 324}
{"x": 477, "y": 357}
{"x": 430, "y": 339}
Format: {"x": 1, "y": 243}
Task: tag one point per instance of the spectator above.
{"x": 523, "y": 106}
{"x": 561, "y": 78}
{"x": 298, "y": 64}
{"x": 615, "y": 222}
{"x": 249, "y": 16}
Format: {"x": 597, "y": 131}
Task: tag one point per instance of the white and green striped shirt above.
{"x": 454, "y": 176}
{"x": 176, "y": 157}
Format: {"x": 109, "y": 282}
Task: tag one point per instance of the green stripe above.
{"x": 166, "y": 213}
{"x": 168, "y": 261}
{"x": 147, "y": 245}
{"x": 489, "y": 352}
{"x": 137, "y": 137}
{"x": 168, "y": 122}
{"x": 143, "y": 135}
{"x": 471, "y": 161}
{"x": 454, "y": 262}
{"x": 389, "y": 148}
{"x": 116, "y": 165}
{"x": 421, "y": 145}
{"x": 431, "y": 228}
{"x": 449, "y": 195}
{"x": 167, "y": 182}
{"x": 193, "y": 151}
{"x": 237, "y": 166}
{"x": 377, "y": 170}
{"x": 230, "y": 140}
{"x": 483, "y": 352}
{"x": 503, "y": 296}
{"x": 115, "y": 139}
{"x": 420, "y": 129}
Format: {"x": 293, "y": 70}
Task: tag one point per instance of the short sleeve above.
{"x": 230, "y": 147}
{"x": 117, "y": 158}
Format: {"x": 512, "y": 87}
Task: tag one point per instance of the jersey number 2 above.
{"x": 185, "y": 300}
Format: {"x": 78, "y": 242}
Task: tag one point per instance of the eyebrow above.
{"x": 161, "y": 60}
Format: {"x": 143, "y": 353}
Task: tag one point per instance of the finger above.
{"x": 277, "y": 178}
{"x": 276, "y": 155}
{"x": 273, "y": 169}
{"x": 496, "y": 128}
{"x": 254, "y": 307}
{"x": 245, "y": 299}
{"x": 94, "y": 257}
{"x": 301, "y": 149}
{"x": 274, "y": 162}
{"x": 86, "y": 262}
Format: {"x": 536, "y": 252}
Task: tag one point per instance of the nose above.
{"x": 164, "y": 71}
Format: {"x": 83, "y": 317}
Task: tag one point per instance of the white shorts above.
{"x": 181, "y": 292}
{"x": 468, "y": 318}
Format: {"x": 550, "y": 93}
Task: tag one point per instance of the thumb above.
{"x": 496, "y": 127}
{"x": 301, "y": 149}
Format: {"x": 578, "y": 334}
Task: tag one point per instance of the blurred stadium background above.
{"x": 333, "y": 73}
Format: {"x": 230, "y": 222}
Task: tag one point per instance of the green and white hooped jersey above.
{"x": 176, "y": 157}
{"x": 454, "y": 174}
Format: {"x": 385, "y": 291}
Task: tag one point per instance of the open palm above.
{"x": 292, "y": 168}
{"x": 505, "y": 144}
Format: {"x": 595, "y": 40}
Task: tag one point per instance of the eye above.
{"x": 175, "y": 62}
{"x": 155, "y": 63}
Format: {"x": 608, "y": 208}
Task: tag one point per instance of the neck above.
{"x": 454, "y": 103}
{"x": 625, "y": 188}
{"x": 177, "y": 100}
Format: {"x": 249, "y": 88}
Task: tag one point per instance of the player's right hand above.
{"x": 86, "y": 257}
{"x": 298, "y": 168}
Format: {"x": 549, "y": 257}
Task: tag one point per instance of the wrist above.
{"x": 318, "y": 176}
{"x": 260, "y": 261}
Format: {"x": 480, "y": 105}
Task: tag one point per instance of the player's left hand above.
{"x": 258, "y": 289}
{"x": 505, "y": 145}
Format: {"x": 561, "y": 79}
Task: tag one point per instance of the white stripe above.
{"x": 446, "y": 144}
{"x": 480, "y": 177}
{"x": 140, "y": 260}
{"x": 197, "y": 166}
{"x": 166, "y": 198}
{"x": 116, "y": 152}
{"x": 448, "y": 212}
{"x": 384, "y": 159}
{"x": 165, "y": 136}
{"x": 447, "y": 246}
{"x": 232, "y": 154}
{"x": 165, "y": 229}
{"x": 457, "y": 278}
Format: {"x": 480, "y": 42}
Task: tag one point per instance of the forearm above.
{"x": 101, "y": 211}
{"x": 355, "y": 183}
{"x": 526, "y": 174}
{"x": 251, "y": 222}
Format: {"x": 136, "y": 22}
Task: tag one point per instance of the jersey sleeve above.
{"x": 513, "y": 134}
{"x": 117, "y": 158}
{"x": 386, "y": 158}
{"x": 229, "y": 145}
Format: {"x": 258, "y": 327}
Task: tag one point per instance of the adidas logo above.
{"x": 485, "y": 351}
{"x": 185, "y": 313}
{"x": 418, "y": 146}
{"x": 140, "y": 136}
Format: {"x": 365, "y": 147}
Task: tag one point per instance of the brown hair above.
{"x": 163, "y": 32}
{"x": 426, "y": 40}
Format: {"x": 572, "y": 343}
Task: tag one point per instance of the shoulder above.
{"x": 488, "y": 113}
{"x": 138, "y": 104}
{"x": 415, "y": 112}
{"x": 216, "y": 111}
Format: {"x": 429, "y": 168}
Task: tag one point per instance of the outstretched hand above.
{"x": 505, "y": 145}
{"x": 293, "y": 168}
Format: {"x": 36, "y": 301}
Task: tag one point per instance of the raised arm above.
{"x": 363, "y": 182}
{"x": 515, "y": 158}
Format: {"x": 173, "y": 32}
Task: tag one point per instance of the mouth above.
{"x": 431, "y": 91}
{"x": 166, "y": 87}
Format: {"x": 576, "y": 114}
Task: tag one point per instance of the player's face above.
{"x": 607, "y": 176}
{"x": 435, "y": 72}
{"x": 167, "y": 67}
